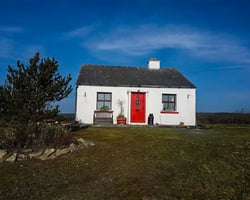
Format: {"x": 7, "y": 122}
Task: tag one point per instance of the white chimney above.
{"x": 154, "y": 63}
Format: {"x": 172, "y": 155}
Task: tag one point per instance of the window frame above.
{"x": 170, "y": 103}
{"x": 103, "y": 101}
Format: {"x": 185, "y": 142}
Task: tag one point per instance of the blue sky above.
{"x": 208, "y": 41}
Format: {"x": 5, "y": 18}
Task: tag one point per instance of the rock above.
{"x": 3, "y": 154}
{"x": 35, "y": 154}
{"x": 80, "y": 140}
{"x": 91, "y": 144}
{"x": 46, "y": 154}
{"x": 12, "y": 158}
{"x": 49, "y": 152}
{"x": 63, "y": 151}
{"x": 72, "y": 147}
{"x": 22, "y": 157}
{"x": 26, "y": 151}
{"x": 85, "y": 143}
{"x": 42, "y": 157}
{"x": 53, "y": 156}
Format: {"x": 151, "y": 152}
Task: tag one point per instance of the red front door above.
{"x": 137, "y": 112}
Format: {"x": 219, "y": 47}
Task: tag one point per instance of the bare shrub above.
{"x": 52, "y": 135}
{"x": 8, "y": 139}
{"x": 34, "y": 136}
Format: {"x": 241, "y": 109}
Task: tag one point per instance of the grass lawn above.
{"x": 139, "y": 163}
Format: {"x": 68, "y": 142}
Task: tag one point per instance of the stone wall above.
{"x": 44, "y": 154}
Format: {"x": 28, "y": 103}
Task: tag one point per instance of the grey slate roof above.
{"x": 100, "y": 75}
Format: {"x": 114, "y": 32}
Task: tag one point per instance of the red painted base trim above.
{"x": 169, "y": 112}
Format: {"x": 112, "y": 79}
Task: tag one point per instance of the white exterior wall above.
{"x": 185, "y": 104}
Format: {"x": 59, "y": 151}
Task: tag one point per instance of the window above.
{"x": 104, "y": 101}
{"x": 169, "y": 102}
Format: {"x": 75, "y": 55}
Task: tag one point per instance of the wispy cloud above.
{"x": 221, "y": 48}
{"x": 145, "y": 39}
{"x": 79, "y": 32}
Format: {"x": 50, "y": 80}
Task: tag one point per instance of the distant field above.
{"x": 203, "y": 118}
{"x": 143, "y": 163}
{"x": 223, "y": 118}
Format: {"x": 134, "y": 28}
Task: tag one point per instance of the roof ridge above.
{"x": 126, "y": 66}
{"x": 101, "y": 65}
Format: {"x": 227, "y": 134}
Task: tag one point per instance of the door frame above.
{"x": 130, "y": 109}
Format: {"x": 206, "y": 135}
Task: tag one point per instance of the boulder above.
{"x": 3, "y": 155}
{"x": 12, "y": 158}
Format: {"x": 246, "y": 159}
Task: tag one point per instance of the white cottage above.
{"x": 143, "y": 94}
